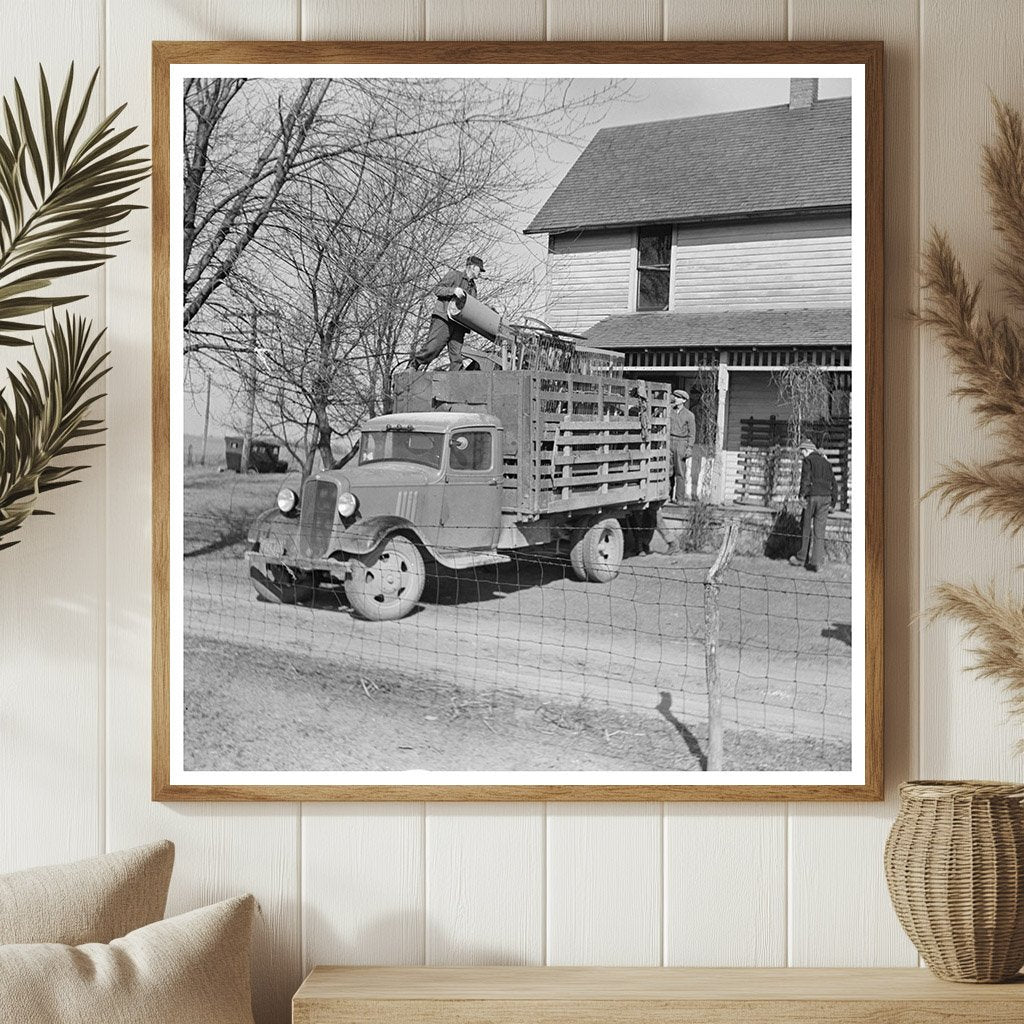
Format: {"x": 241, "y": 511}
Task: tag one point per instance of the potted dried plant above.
{"x": 63, "y": 189}
{"x": 955, "y": 856}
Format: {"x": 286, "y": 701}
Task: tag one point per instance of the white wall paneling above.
{"x": 470, "y": 19}
{"x": 604, "y": 19}
{"x": 604, "y": 884}
{"x": 963, "y": 725}
{"x": 353, "y": 19}
{"x": 725, "y": 19}
{"x": 363, "y": 885}
{"x": 485, "y": 883}
{"x": 725, "y": 885}
{"x": 835, "y": 853}
{"x": 222, "y": 848}
{"x": 52, "y": 616}
{"x": 509, "y": 883}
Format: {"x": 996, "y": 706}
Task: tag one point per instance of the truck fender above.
{"x": 364, "y": 536}
{"x": 276, "y": 528}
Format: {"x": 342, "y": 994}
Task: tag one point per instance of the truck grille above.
{"x": 316, "y": 517}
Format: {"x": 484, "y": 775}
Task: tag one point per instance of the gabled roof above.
{"x": 743, "y": 163}
{"x": 759, "y": 328}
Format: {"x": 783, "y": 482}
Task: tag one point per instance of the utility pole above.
{"x": 206, "y": 423}
{"x": 250, "y": 413}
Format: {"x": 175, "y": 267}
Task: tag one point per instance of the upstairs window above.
{"x": 653, "y": 267}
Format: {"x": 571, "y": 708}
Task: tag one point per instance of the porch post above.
{"x": 718, "y": 483}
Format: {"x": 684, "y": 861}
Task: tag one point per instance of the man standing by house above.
{"x": 683, "y": 429}
{"x": 456, "y": 284}
{"x": 819, "y": 493}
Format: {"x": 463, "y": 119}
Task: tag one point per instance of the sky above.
{"x": 645, "y": 100}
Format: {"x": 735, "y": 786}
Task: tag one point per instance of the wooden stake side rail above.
{"x": 628, "y": 995}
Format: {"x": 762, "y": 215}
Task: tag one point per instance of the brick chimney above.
{"x": 803, "y": 93}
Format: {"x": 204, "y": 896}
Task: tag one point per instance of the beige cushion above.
{"x": 93, "y": 900}
{"x": 191, "y": 969}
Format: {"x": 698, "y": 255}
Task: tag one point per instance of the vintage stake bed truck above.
{"x": 469, "y": 467}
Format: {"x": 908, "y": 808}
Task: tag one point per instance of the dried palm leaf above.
{"x": 987, "y": 355}
{"x": 1003, "y": 175}
{"x": 992, "y": 490}
{"x": 986, "y": 350}
{"x": 998, "y": 629}
{"x": 62, "y": 191}
{"x": 46, "y": 419}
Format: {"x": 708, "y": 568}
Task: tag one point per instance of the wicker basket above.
{"x": 954, "y": 861}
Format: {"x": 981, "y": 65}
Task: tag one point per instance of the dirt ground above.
{"x": 511, "y": 667}
{"x": 255, "y": 708}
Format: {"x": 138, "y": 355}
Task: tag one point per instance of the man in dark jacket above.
{"x": 456, "y": 284}
{"x": 819, "y": 493}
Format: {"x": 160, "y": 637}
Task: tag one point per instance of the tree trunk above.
{"x": 323, "y": 446}
{"x": 206, "y": 422}
{"x": 250, "y": 398}
{"x": 307, "y": 463}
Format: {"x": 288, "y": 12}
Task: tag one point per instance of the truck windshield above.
{"x": 401, "y": 446}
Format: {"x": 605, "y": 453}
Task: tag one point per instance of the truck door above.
{"x": 471, "y": 507}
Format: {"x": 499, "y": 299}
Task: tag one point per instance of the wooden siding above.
{"x": 589, "y": 277}
{"x": 774, "y": 265}
{"x": 797, "y": 264}
{"x": 750, "y": 394}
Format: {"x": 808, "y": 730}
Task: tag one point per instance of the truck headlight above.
{"x": 347, "y": 504}
{"x": 287, "y": 501}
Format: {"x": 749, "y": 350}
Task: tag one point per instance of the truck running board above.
{"x": 453, "y": 559}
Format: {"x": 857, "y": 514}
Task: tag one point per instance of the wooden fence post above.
{"x": 712, "y": 626}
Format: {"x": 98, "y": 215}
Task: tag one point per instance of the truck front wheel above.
{"x": 386, "y": 583}
{"x": 596, "y": 553}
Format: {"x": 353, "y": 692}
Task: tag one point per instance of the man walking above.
{"x": 819, "y": 493}
{"x": 456, "y": 284}
{"x": 683, "y": 430}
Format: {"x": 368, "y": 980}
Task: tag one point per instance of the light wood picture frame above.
{"x": 781, "y": 669}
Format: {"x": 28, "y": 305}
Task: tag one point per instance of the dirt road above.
{"x": 529, "y": 630}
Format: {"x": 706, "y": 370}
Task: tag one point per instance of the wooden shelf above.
{"x": 636, "y": 995}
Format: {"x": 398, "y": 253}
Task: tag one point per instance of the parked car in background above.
{"x": 263, "y": 456}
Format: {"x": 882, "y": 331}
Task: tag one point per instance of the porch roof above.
{"x": 754, "y": 329}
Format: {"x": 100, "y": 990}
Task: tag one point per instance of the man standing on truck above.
{"x": 683, "y": 429}
{"x": 456, "y": 284}
{"x": 819, "y": 493}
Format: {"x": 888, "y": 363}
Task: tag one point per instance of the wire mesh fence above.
{"x": 525, "y": 629}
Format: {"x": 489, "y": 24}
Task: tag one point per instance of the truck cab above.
{"x": 425, "y": 487}
{"x": 439, "y": 470}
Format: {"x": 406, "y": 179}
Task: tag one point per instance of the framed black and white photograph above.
{"x": 517, "y": 421}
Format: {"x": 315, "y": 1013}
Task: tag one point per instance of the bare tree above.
{"x": 806, "y": 388}
{"x": 232, "y": 183}
{"x": 398, "y": 179}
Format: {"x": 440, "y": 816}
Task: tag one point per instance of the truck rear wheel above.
{"x": 387, "y": 583}
{"x": 596, "y": 553}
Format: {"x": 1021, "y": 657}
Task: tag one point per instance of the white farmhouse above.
{"x": 712, "y": 251}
